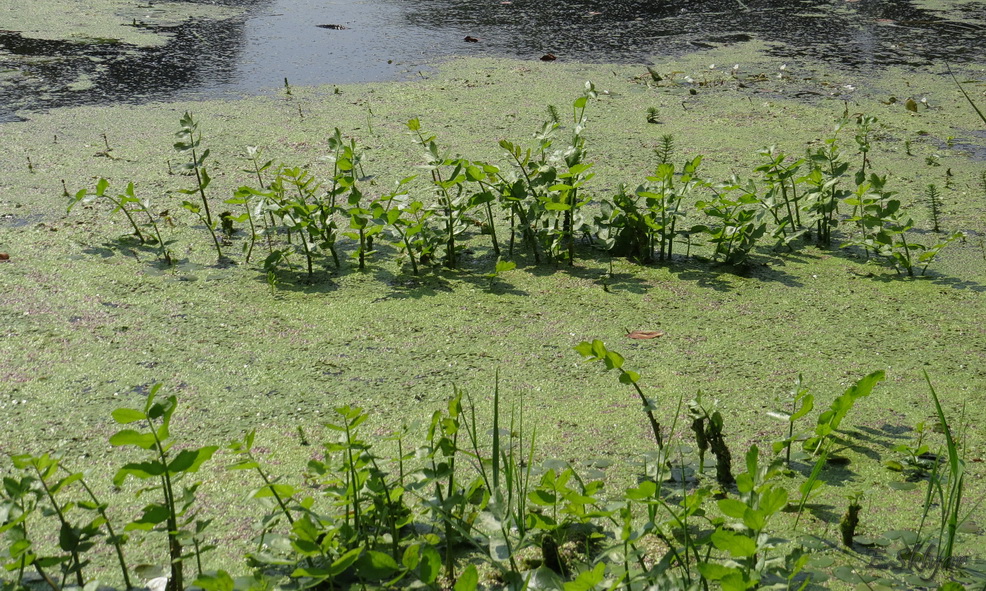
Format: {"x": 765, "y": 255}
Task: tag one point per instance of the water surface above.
{"x": 374, "y": 40}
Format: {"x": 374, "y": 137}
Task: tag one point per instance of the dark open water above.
{"x": 391, "y": 39}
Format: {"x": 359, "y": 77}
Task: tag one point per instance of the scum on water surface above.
{"x": 57, "y": 53}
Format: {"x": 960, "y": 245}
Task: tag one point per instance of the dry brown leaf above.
{"x": 644, "y": 334}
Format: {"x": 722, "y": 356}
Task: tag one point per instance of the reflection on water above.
{"x": 387, "y": 39}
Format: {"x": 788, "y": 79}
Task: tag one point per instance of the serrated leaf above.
{"x": 732, "y": 508}
{"x": 738, "y": 545}
{"x": 587, "y": 580}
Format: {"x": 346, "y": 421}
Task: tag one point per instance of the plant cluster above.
{"x": 466, "y": 508}
{"x": 541, "y": 197}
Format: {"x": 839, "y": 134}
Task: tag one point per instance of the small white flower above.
{"x": 735, "y": 67}
{"x": 712, "y": 66}
{"x": 783, "y": 66}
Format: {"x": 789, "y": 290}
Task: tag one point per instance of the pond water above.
{"x": 374, "y": 40}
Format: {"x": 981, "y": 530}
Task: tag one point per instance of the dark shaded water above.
{"x": 390, "y": 39}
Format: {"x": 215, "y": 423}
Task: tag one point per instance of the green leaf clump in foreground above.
{"x": 466, "y": 509}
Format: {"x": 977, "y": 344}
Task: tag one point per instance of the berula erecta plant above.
{"x": 471, "y": 508}
{"x": 544, "y": 194}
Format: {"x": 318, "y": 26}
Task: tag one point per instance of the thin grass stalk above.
{"x": 654, "y": 425}
{"x": 956, "y": 478}
{"x": 810, "y": 483}
{"x": 519, "y": 210}
{"x": 160, "y": 241}
{"x": 176, "y": 581}
{"x": 964, "y": 93}
{"x": 77, "y": 563}
{"x": 353, "y": 480}
{"x": 114, "y": 540}
{"x": 126, "y": 212}
{"x": 391, "y": 519}
{"x": 198, "y": 180}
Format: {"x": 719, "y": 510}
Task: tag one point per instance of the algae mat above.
{"x": 90, "y": 322}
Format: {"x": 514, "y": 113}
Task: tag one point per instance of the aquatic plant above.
{"x": 447, "y": 176}
{"x": 173, "y": 513}
{"x": 824, "y": 193}
{"x": 544, "y": 192}
{"x": 188, "y": 144}
{"x": 781, "y": 178}
{"x": 576, "y": 175}
{"x": 796, "y": 405}
{"x": 475, "y": 500}
{"x": 637, "y": 224}
{"x": 597, "y": 351}
{"x": 932, "y": 199}
{"x": 406, "y": 221}
{"x": 736, "y": 221}
{"x": 128, "y": 203}
{"x": 665, "y": 150}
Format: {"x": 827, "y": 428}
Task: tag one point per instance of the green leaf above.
{"x": 283, "y": 491}
{"x": 220, "y": 581}
{"x": 715, "y": 572}
{"x": 732, "y": 508}
{"x": 629, "y": 377}
{"x": 754, "y": 519}
{"x": 153, "y": 515}
{"x": 613, "y": 360}
{"x": 142, "y": 470}
{"x": 124, "y": 416}
{"x": 807, "y": 404}
{"x": 190, "y": 460}
{"x": 738, "y": 545}
{"x": 502, "y": 266}
{"x": 584, "y": 349}
{"x": 893, "y": 465}
{"x": 587, "y": 580}
{"x": 411, "y": 556}
{"x": 773, "y": 500}
{"x": 68, "y": 537}
{"x": 345, "y": 561}
{"x": 376, "y": 565}
{"x": 468, "y": 579}
{"x": 131, "y": 437}
{"x": 430, "y": 565}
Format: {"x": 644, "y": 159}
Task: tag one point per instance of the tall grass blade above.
{"x": 956, "y": 478}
